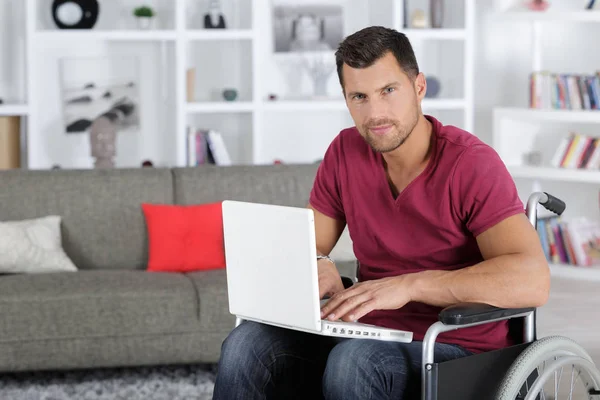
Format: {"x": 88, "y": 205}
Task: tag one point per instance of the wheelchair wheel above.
{"x": 538, "y": 373}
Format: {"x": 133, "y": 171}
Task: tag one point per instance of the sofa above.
{"x": 112, "y": 311}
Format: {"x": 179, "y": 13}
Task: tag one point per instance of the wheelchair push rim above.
{"x": 538, "y": 371}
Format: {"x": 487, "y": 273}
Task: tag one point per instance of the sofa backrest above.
{"x": 103, "y": 226}
{"x": 286, "y": 185}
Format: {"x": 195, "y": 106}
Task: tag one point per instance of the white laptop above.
{"x": 271, "y": 259}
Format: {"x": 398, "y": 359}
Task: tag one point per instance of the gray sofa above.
{"x": 112, "y": 312}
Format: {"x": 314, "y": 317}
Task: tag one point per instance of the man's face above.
{"x": 383, "y": 101}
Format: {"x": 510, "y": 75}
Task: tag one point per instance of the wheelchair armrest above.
{"x": 470, "y": 313}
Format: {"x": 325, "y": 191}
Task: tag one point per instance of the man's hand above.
{"x": 330, "y": 281}
{"x": 362, "y": 298}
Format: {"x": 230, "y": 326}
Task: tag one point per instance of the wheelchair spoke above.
{"x": 574, "y": 381}
{"x": 557, "y": 382}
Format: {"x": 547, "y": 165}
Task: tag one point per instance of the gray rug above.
{"x": 152, "y": 383}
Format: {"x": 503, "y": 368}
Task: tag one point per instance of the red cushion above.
{"x": 184, "y": 238}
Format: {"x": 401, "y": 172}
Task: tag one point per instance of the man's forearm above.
{"x": 508, "y": 281}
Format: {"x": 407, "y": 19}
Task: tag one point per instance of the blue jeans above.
{"x": 266, "y": 362}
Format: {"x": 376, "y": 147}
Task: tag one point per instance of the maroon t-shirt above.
{"x": 432, "y": 225}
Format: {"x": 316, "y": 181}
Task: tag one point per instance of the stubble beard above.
{"x": 391, "y": 140}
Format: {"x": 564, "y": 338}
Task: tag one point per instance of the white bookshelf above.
{"x": 519, "y": 131}
{"x": 242, "y": 57}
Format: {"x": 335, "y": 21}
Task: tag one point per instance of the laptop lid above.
{"x": 270, "y": 254}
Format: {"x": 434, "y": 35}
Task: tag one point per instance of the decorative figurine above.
{"x": 103, "y": 141}
{"x": 418, "y": 20}
{"x": 214, "y": 18}
{"x": 230, "y": 94}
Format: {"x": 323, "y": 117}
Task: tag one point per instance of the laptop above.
{"x": 271, "y": 266}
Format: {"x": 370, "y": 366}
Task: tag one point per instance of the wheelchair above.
{"x": 522, "y": 371}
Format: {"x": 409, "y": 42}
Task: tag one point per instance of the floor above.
{"x": 573, "y": 310}
{"x": 158, "y": 383}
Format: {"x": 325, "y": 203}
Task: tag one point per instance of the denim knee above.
{"x": 239, "y": 349}
{"x": 363, "y": 369}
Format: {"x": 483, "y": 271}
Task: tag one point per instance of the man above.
{"x": 435, "y": 220}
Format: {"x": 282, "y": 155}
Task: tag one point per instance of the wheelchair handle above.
{"x": 554, "y": 204}
{"x": 550, "y": 203}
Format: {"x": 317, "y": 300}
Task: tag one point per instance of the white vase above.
{"x": 144, "y": 22}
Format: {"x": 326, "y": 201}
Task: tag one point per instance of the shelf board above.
{"x": 222, "y": 106}
{"x": 555, "y": 174}
{"x": 13, "y": 109}
{"x": 220, "y": 34}
{"x": 116, "y": 35}
{"x": 436, "y": 34}
{"x": 443, "y": 104}
{"x": 575, "y": 272}
{"x": 305, "y": 105}
{"x": 581, "y": 116}
{"x": 340, "y": 105}
{"x": 564, "y": 15}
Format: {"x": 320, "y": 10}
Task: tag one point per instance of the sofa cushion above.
{"x": 286, "y": 185}
{"x": 102, "y": 221}
{"x": 214, "y": 304}
{"x": 33, "y": 246}
{"x": 90, "y": 304}
{"x": 184, "y": 238}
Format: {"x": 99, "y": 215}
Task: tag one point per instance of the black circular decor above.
{"x": 75, "y": 14}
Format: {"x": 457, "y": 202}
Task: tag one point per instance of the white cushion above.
{"x": 33, "y": 246}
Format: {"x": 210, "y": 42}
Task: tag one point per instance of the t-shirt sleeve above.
{"x": 326, "y": 195}
{"x": 483, "y": 191}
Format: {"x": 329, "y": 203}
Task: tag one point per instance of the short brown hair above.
{"x": 363, "y": 48}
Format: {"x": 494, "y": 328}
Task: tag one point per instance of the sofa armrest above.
{"x": 471, "y": 313}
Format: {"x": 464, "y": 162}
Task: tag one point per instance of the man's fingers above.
{"x": 335, "y": 300}
{"x": 350, "y": 303}
{"x": 360, "y": 311}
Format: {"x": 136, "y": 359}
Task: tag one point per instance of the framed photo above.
{"x": 91, "y": 87}
{"x": 307, "y": 27}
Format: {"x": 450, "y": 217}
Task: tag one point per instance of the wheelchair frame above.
{"x": 445, "y": 380}
{"x": 485, "y": 370}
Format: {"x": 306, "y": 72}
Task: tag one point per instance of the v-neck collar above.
{"x": 422, "y": 175}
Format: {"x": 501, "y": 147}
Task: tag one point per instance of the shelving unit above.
{"x": 255, "y": 129}
{"x": 519, "y": 131}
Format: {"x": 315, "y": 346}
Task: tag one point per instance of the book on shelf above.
{"x": 564, "y": 91}
{"x": 206, "y": 146}
{"x": 574, "y": 242}
{"x": 577, "y": 151}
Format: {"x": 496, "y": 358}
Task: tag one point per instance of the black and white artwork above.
{"x": 307, "y": 27}
{"x": 92, "y": 87}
